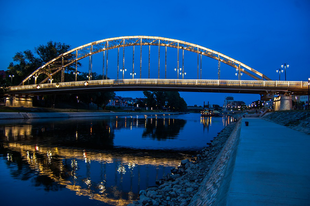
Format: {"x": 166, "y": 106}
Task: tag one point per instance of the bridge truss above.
{"x": 72, "y": 57}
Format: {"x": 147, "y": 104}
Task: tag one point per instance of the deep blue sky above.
{"x": 262, "y": 34}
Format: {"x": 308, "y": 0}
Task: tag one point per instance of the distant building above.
{"x": 216, "y": 107}
{"x": 128, "y": 101}
{"x": 303, "y": 98}
{"x": 230, "y": 104}
{"x": 227, "y": 103}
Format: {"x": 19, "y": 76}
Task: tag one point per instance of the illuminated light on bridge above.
{"x": 29, "y": 154}
{"x": 226, "y": 86}
{"x": 73, "y": 56}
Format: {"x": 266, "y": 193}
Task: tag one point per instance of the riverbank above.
{"x": 179, "y": 187}
{"x": 297, "y": 120}
{"x": 205, "y": 179}
{"x": 43, "y": 115}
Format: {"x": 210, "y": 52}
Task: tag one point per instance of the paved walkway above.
{"x": 272, "y": 166}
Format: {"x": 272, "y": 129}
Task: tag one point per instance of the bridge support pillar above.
{"x": 282, "y": 102}
{"x": 18, "y": 101}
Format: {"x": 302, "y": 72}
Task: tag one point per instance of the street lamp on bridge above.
{"x": 133, "y": 75}
{"x": 175, "y": 69}
{"x": 11, "y": 76}
{"x": 123, "y": 71}
{"x": 285, "y": 66}
{"x": 183, "y": 73}
{"x": 239, "y": 74}
{"x": 76, "y": 74}
{"x": 89, "y": 76}
{"x": 279, "y": 71}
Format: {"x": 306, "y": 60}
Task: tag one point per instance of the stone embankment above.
{"x": 183, "y": 185}
{"x": 297, "y": 120}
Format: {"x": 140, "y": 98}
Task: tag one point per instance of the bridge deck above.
{"x": 198, "y": 85}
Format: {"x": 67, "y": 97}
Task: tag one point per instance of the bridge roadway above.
{"x": 194, "y": 85}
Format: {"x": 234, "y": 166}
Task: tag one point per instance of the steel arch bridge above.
{"x": 72, "y": 57}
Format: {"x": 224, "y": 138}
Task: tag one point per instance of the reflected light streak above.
{"x": 121, "y": 169}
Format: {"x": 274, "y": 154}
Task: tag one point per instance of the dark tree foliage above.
{"x": 150, "y": 99}
{"x": 170, "y": 100}
{"x": 24, "y": 63}
{"x": 162, "y": 131}
{"x": 175, "y": 101}
{"x": 50, "y": 51}
{"x": 160, "y": 98}
{"x": 101, "y": 99}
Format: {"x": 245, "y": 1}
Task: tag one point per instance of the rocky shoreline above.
{"x": 179, "y": 187}
{"x": 297, "y": 120}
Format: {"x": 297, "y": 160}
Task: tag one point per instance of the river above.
{"x": 95, "y": 161}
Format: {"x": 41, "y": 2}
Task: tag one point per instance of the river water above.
{"x": 95, "y": 161}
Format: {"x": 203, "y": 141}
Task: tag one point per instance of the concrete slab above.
{"x": 272, "y": 166}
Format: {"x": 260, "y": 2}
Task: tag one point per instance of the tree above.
{"x": 160, "y": 98}
{"x": 24, "y": 63}
{"x": 174, "y": 101}
{"x": 150, "y": 99}
{"x": 52, "y": 50}
{"x": 101, "y": 99}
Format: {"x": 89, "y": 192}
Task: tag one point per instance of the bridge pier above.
{"x": 282, "y": 102}
{"x": 18, "y": 101}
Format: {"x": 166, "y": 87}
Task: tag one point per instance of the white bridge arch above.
{"x": 72, "y": 57}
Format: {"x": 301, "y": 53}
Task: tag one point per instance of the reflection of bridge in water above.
{"x": 53, "y": 162}
{"x": 113, "y": 176}
{"x": 207, "y": 121}
{"x": 96, "y": 133}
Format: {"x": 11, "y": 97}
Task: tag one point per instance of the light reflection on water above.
{"x": 88, "y": 156}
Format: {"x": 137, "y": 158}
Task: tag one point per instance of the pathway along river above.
{"x": 95, "y": 161}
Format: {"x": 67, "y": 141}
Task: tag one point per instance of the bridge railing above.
{"x": 172, "y": 82}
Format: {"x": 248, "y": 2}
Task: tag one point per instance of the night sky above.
{"x": 262, "y": 34}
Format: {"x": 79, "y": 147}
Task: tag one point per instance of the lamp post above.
{"x": 239, "y": 74}
{"x": 177, "y": 70}
{"x": 76, "y": 73}
{"x": 279, "y": 71}
{"x": 183, "y": 73}
{"x": 284, "y": 66}
{"x": 51, "y": 80}
{"x": 123, "y": 71}
{"x": 11, "y": 76}
{"x": 133, "y": 75}
{"x": 89, "y": 77}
